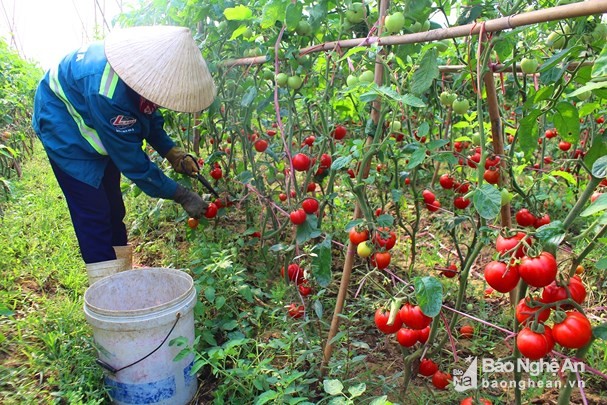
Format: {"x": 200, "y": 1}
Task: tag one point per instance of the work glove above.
{"x": 191, "y": 202}
{"x": 182, "y": 162}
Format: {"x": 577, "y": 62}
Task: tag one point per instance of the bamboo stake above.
{"x": 350, "y": 255}
{"x": 499, "y": 24}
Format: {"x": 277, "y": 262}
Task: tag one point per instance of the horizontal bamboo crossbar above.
{"x": 573, "y": 10}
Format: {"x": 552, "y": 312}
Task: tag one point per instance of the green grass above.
{"x": 46, "y": 352}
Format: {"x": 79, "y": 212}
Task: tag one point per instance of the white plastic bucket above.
{"x": 134, "y": 314}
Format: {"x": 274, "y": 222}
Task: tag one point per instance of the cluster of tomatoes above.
{"x": 296, "y": 275}
{"x": 377, "y": 249}
{"x": 535, "y": 340}
{"x": 308, "y": 206}
{"x": 448, "y": 182}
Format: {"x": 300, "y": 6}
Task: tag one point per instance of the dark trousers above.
{"x": 97, "y": 213}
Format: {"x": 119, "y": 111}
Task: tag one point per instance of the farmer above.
{"x": 94, "y": 112}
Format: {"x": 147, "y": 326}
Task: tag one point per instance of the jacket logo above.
{"x": 123, "y": 122}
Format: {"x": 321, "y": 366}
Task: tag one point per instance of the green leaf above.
{"x": 597, "y": 150}
{"x": 318, "y": 309}
{"x": 599, "y": 168}
{"x": 209, "y": 294}
{"x": 383, "y": 400}
{"x": 601, "y": 264}
{"x": 412, "y": 101}
{"x": 385, "y": 220}
{"x": 417, "y": 158}
{"x": 238, "y": 13}
{"x": 487, "y": 200}
{"x": 425, "y": 74}
{"x": 238, "y": 32}
{"x": 429, "y": 295}
{"x": 333, "y": 387}
{"x": 599, "y": 68}
{"x": 527, "y": 133}
{"x": 266, "y": 397}
{"x": 321, "y": 264}
{"x": 544, "y": 93}
{"x": 293, "y": 15}
{"x": 357, "y": 390}
{"x": 423, "y": 129}
{"x": 249, "y": 96}
{"x": 245, "y": 177}
{"x": 308, "y": 230}
{"x": 588, "y": 108}
{"x": 341, "y": 162}
{"x": 600, "y": 204}
{"x": 566, "y": 175}
{"x": 274, "y": 10}
{"x": 552, "y": 233}
{"x": 600, "y": 331}
{"x": 567, "y": 121}
{"x": 588, "y": 87}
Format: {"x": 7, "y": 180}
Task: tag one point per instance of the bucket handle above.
{"x": 114, "y": 370}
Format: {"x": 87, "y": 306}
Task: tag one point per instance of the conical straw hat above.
{"x": 162, "y": 64}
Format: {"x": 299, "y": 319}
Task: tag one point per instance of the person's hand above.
{"x": 182, "y": 162}
{"x": 191, "y": 202}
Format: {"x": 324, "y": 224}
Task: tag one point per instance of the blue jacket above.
{"x": 85, "y": 115}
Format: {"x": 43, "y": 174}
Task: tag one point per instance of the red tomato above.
{"x": 540, "y": 221}
{"x": 282, "y": 197}
{"x": 462, "y": 188}
{"x": 298, "y": 217}
{"x": 381, "y": 321}
{"x": 474, "y": 159}
{"x": 550, "y": 133}
{"x": 446, "y": 181}
{"x": 600, "y": 120}
{"x": 216, "y": 173}
{"x": 524, "y": 217}
{"x": 461, "y": 203}
{"x": 534, "y": 345}
{"x": 301, "y": 162}
{"x": 413, "y": 317}
{"x": 466, "y": 331}
{"x": 381, "y": 260}
{"x": 407, "y": 337}
{"x": 564, "y": 146}
{"x": 309, "y": 140}
{"x": 471, "y": 401}
{"x": 351, "y": 173}
{"x": 505, "y": 244}
{"x": 310, "y": 205}
{"x": 433, "y": 206}
{"x": 492, "y": 175}
{"x": 451, "y": 272}
{"x": 325, "y": 161}
{"x": 492, "y": 161}
{"x": 501, "y": 277}
{"x": 304, "y": 288}
{"x": 261, "y": 145}
{"x": 339, "y": 132}
{"x": 424, "y": 334}
{"x": 525, "y": 313}
{"x": 440, "y": 380}
{"x": 427, "y": 367}
{"x": 211, "y": 211}
{"x": 294, "y": 272}
{"x": 428, "y": 196}
{"x": 385, "y": 238}
{"x": 271, "y": 132}
{"x": 357, "y": 236}
{"x": 538, "y": 271}
{"x": 574, "y": 332}
{"x": 295, "y": 311}
{"x": 553, "y": 292}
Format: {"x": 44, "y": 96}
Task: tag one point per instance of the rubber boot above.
{"x": 125, "y": 255}
{"x": 97, "y": 271}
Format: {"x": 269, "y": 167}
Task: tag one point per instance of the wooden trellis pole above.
{"x": 499, "y": 24}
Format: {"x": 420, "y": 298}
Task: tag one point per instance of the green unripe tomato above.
{"x": 555, "y": 40}
{"x": 461, "y": 106}
{"x": 248, "y": 33}
{"x": 356, "y": 13}
{"x": 447, "y": 98}
{"x": 416, "y": 27}
{"x": 395, "y": 126}
{"x": 268, "y": 74}
{"x": 303, "y": 28}
{"x": 282, "y": 79}
{"x": 395, "y": 22}
{"x": 294, "y": 82}
{"x": 476, "y": 139}
{"x": 529, "y": 65}
{"x": 352, "y": 80}
{"x": 506, "y": 196}
{"x": 442, "y": 45}
{"x": 366, "y": 77}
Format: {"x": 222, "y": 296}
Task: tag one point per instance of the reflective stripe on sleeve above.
{"x": 87, "y": 132}
{"x": 109, "y": 80}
